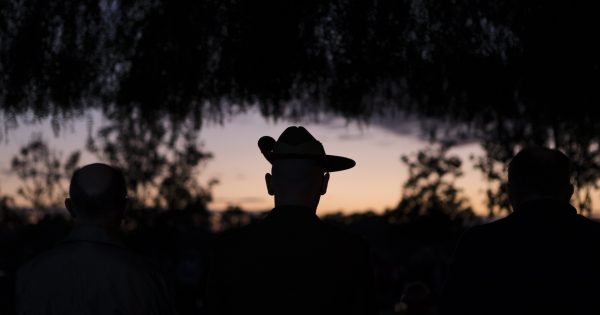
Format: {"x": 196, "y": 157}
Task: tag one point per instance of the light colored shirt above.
{"x": 91, "y": 273}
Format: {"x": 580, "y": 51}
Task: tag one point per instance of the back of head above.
{"x": 538, "y": 172}
{"x": 97, "y": 193}
{"x": 298, "y": 182}
{"x": 297, "y": 174}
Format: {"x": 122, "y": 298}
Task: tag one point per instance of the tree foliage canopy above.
{"x": 470, "y": 59}
{"x": 515, "y": 73}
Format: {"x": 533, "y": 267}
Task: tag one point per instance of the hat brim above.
{"x": 331, "y": 163}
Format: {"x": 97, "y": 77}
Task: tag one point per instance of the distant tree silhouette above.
{"x": 430, "y": 189}
{"x": 493, "y": 166}
{"x": 161, "y": 161}
{"x": 6, "y": 202}
{"x": 6, "y": 213}
{"x": 43, "y": 173}
{"x": 10, "y": 224}
{"x": 235, "y": 217}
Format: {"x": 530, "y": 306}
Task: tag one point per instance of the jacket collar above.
{"x": 292, "y": 214}
{"x": 546, "y": 206}
{"x": 94, "y": 233}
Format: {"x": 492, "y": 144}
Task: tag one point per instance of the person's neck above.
{"x": 524, "y": 202}
{"x": 312, "y": 208}
{"x": 110, "y": 227}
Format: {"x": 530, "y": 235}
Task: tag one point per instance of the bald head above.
{"x": 97, "y": 192}
{"x": 539, "y": 172}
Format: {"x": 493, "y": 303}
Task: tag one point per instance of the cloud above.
{"x": 353, "y": 137}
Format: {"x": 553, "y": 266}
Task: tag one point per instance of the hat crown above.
{"x": 297, "y": 140}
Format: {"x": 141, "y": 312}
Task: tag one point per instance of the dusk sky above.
{"x": 374, "y": 184}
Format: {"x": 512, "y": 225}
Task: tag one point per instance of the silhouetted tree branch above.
{"x": 43, "y": 173}
{"x": 161, "y": 161}
{"x": 430, "y": 189}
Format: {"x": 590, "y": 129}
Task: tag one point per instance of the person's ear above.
{"x": 325, "y": 183}
{"x": 268, "y": 181}
{"x": 70, "y": 208}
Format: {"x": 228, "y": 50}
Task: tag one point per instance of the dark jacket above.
{"x": 290, "y": 263}
{"x": 91, "y": 273}
{"x": 543, "y": 258}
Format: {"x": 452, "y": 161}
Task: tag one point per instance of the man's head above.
{"x": 538, "y": 172}
{"x": 300, "y": 167}
{"x": 97, "y": 195}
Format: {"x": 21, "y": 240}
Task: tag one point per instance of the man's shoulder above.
{"x": 52, "y": 256}
{"x": 260, "y": 234}
{"x": 88, "y": 255}
{"x": 87, "y": 268}
{"x": 588, "y": 226}
{"x": 488, "y": 233}
{"x": 493, "y": 227}
{"x": 238, "y": 235}
{"x": 510, "y": 225}
{"x": 588, "y": 222}
{"x": 338, "y": 234}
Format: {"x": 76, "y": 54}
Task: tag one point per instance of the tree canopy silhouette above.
{"x": 430, "y": 189}
{"x": 161, "y": 161}
{"x": 473, "y": 60}
{"x": 514, "y": 73}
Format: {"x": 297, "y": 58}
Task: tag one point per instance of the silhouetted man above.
{"x": 292, "y": 263}
{"x": 91, "y": 272}
{"x": 541, "y": 259}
